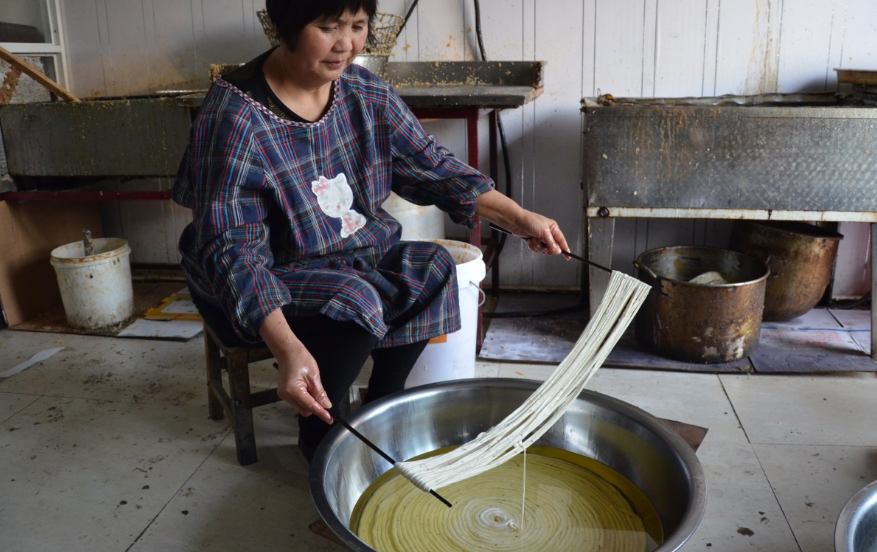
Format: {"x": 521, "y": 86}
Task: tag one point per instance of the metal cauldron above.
{"x": 701, "y": 323}
{"x": 429, "y": 417}
{"x": 856, "y": 529}
{"x": 801, "y": 259}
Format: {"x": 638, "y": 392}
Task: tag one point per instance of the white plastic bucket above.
{"x": 96, "y": 289}
{"x": 419, "y": 222}
{"x": 452, "y": 356}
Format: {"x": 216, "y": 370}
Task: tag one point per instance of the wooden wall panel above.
{"x": 619, "y": 60}
{"x": 557, "y": 168}
{"x": 680, "y": 53}
{"x": 858, "y": 29}
{"x": 804, "y": 47}
{"x": 742, "y": 47}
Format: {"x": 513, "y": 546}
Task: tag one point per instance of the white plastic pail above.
{"x": 419, "y": 222}
{"x": 453, "y": 356}
{"x": 96, "y": 289}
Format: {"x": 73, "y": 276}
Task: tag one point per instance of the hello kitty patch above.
{"x": 335, "y": 198}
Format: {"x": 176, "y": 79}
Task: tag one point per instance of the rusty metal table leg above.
{"x": 494, "y": 174}
{"x": 600, "y": 234}
{"x": 873, "y": 291}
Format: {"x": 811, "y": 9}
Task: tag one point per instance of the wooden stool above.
{"x": 238, "y": 403}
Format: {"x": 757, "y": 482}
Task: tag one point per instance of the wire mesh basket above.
{"x": 268, "y": 27}
{"x": 385, "y": 29}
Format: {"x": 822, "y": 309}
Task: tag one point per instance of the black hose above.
{"x": 854, "y": 304}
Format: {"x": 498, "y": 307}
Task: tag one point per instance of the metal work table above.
{"x": 807, "y": 162}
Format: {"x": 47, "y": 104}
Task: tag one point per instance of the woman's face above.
{"x": 327, "y": 46}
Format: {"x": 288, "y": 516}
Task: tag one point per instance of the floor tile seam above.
{"x": 177, "y": 492}
{"x": 763, "y": 444}
{"x": 734, "y": 409}
{"x": 776, "y": 498}
{"x": 69, "y": 397}
{"x": 20, "y": 410}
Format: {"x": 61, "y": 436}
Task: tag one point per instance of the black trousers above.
{"x": 340, "y": 349}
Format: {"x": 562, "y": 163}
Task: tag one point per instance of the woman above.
{"x": 289, "y": 161}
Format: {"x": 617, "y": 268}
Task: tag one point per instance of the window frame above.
{"x": 55, "y": 49}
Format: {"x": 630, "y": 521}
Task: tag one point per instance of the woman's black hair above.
{"x": 291, "y": 16}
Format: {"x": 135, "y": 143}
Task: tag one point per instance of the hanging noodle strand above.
{"x": 546, "y": 405}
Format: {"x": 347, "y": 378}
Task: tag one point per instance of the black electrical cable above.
{"x": 854, "y": 304}
{"x": 408, "y": 15}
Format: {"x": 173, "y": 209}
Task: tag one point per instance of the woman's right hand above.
{"x": 298, "y": 383}
{"x": 298, "y": 376}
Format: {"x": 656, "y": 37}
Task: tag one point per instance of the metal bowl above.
{"x": 426, "y": 418}
{"x": 856, "y": 529}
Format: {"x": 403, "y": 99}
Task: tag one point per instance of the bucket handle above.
{"x": 644, "y": 268}
{"x": 482, "y": 296}
{"x": 774, "y": 264}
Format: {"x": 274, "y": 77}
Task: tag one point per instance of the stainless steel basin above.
{"x": 426, "y": 418}
{"x": 856, "y": 529}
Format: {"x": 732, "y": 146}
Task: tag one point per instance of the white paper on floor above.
{"x": 163, "y": 329}
{"x": 39, "y": 357}
{"x": 820, "y": 328}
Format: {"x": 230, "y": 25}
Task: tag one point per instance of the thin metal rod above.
{"x": 568, "y": 254}
{"x": 375, "y": 448}
{"x": 362, "y": 438}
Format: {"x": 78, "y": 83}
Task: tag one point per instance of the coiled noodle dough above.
{"x": 568, "y": 509}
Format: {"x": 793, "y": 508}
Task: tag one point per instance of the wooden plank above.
{"x": 45, "y": 81}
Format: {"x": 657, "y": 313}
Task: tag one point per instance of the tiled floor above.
{"x": 106, "y": 446}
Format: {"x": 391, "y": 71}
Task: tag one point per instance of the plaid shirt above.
{"x": 289, "y": 213}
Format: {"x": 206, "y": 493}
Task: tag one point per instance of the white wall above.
{"x": 623, "y": 47}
